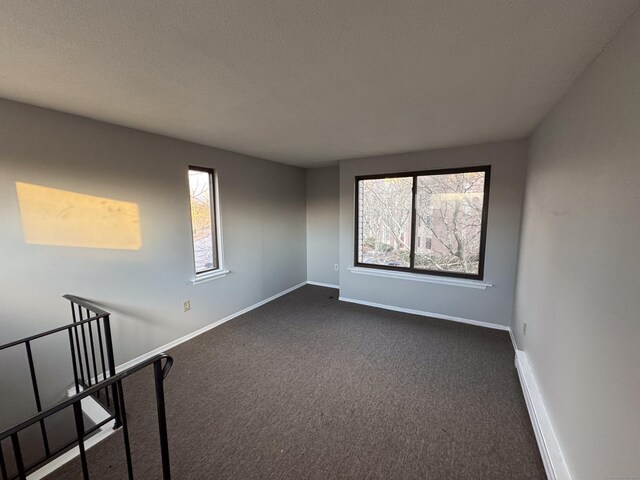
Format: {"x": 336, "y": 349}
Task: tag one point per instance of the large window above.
{"x": 203, "y": 219}
{"x": 431, "y": 222}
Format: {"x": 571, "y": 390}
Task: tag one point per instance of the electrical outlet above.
{"x": 186, "y": 305}
{"x": 336, "y": 267}
{"x": 524, "y": 328}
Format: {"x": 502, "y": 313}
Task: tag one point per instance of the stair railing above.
{"x": 160, "y": 372}
{"x": 98, "y": 356}
{"x": 94, "y": 374}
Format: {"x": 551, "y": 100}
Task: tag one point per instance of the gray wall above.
{"x": 579, "y": 274}
{"x": 263, "y": 220}
{"x": 495, "y": 304}
{"x": 323, "y": 224}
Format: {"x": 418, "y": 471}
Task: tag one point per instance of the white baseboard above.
{"x": 495, "y": 326}
{"x": 96, "y": 413}
{"x": 513, "y": 340}
{"x": 554, "y": 463}
{"x": 66, "y": 457}
{"x": 204, "y": 329}
{"x": 328, "y": 285}
{"x": 200, "y": 331}
{"x": 552, "y": 458}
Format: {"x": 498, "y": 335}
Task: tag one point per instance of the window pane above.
{"x": 449, "y": 219}
{"x": 203, "y": 227}
{"x": 384, "y": 221}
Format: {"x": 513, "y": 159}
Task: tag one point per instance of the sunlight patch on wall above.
{"x": 58, "y": 217}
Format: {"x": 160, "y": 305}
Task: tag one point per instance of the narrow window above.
{"x": 435, "y": 220}
{"x": 203, "y": 219}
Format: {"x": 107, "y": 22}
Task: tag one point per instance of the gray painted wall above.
{"x": 323, "y": 224}
{"x": 493, "y": 305}
{"x": 263, "y": 221}
{"x": 578, "y": 277}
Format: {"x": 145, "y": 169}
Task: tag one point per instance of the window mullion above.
{"x": 412, "y": 250}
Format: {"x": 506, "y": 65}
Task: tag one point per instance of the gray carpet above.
{"x": 307, "y": 387}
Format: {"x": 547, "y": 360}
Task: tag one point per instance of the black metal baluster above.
{"x": 77, "y": 413}
{"x": 3, "y": 465}
{"x": 18, "y": 454}
{"x": 73, "y": 361}
{"x": 75, "y": 330}
{"x": 112, "y": 369}
{"x": 104, "y": 369}
{"x": 93, "y": 351}
{"x": 125, "y": 429}
{"x": 162, "y": 420}
{"x": 36, "y": 394}
{"x": 84, "y": 347}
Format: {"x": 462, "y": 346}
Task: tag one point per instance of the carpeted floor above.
{"x": 307, "y": 387}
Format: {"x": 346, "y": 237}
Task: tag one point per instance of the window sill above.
{"x": 419, "y": 277}
{"x": 207, "y": 277}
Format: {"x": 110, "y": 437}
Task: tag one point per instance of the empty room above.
{"x": 317, "y": 240}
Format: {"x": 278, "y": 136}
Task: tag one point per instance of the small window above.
{"x": 432, "y": 222}
{"x": 203, "y": 219}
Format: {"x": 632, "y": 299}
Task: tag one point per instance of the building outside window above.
{"x": 431, "y": 222}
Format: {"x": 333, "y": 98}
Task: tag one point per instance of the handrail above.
{"x": 85, "y": 304}
{"x": 52, "y": 331}
{"x": 72, "y": 298}
{"x": 160, "y": 373}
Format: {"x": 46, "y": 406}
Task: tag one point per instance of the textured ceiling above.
{"x": 305, "y": 82}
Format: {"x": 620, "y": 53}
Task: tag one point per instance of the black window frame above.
{"x": 214, "y": 220}
{"x": 415, "y": 174}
